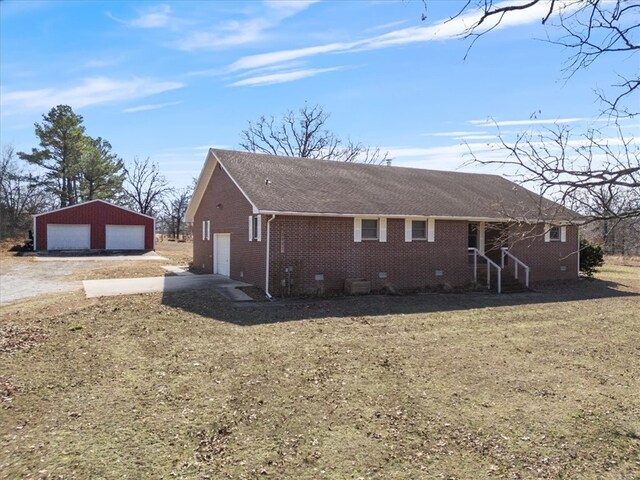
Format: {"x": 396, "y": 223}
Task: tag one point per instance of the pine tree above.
{"x": 62, "y": 142}
{"x": 102, "y": 171}
{"x": 77, "y": 167}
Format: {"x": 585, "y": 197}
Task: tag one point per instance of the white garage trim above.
{"x": 68, "y": 237}
{"x": 124, "y": 237}
{"x": 93, "y": 201}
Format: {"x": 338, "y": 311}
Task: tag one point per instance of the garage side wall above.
{"x": 98, "y": 215}
{"x": 228, "y": 211}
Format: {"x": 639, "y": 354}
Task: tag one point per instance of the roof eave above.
{"x": 469, "y": 218}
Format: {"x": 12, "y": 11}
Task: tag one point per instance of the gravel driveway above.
{"x": 23, "y": 277}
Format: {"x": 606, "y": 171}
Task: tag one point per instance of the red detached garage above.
{"x": 93, "y": 225}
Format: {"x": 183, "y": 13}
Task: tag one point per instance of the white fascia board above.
{"x": 93, "y": 201}
{"x": 206, "y": 173}
{"x": 416, "y": 217}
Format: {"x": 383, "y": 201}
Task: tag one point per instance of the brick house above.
{"x": 293, "y": 225}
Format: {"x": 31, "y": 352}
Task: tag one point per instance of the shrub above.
{"x": 591, "y": 257}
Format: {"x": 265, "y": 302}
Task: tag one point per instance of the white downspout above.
{"x": 578, "y": 229}
{"x": 266, "y": 282}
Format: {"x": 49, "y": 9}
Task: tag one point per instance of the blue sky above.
{"x": 167, "y": 80}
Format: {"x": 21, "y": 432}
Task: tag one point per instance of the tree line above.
{"x": 70, "y": 167}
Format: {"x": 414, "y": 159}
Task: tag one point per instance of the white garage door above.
{"x": 125, "y": 237}
{"x": 68, "y": 237}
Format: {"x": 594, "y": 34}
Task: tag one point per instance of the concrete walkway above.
{"x": 128, "y": 286}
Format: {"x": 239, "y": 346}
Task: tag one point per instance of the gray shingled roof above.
{"x": 286, "y": 184}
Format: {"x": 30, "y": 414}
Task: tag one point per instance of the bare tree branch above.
{"x": 144, "y": 186}
{"x": 304, "y": 134}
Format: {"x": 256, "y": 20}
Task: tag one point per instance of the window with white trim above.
{"x": 255, "y": 228}
{"x": 369, "y": 229}
{"x": 554, "y": 234}
{"x": 208, "y": 229}
{"x": 418, "y": 229}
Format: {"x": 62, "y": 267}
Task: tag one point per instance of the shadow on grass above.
{"x": 209, "y": 303}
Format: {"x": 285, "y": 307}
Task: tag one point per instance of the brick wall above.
{"x": 546, "y": 259}
{"x": 98, "y": 215}
{"x": 228, "y": 211}
{"x": 323, "y": 245}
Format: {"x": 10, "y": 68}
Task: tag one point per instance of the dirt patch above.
{"x": 14, "y": 337}
{"x": 8, "y": 389}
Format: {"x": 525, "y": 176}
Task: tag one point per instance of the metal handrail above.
{"x": 490, "y": 263}
{"x": 505, "y": 251}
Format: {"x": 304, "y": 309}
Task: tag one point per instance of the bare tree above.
{"x": 174, "y": 209}
{"x": 593, "y": 175}
{"x": 144, "y": 186}
{"x": 577, "y": 169}
{"x": 589, "y": 29}
{"x": 21, "y": 195}
{"x": 304, "y": 134}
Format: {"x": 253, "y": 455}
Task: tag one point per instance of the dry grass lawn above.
{"x": 538, "y": 385}
{"x": 177, "y": 253}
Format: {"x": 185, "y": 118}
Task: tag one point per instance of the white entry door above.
{"x": 124, "y": 237}
{"x": 222, "y": 253}
{"x": 68, "y": 237}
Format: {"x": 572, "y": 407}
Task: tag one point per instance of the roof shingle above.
{"x": 286, "y": 184}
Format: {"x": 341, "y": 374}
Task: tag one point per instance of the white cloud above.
{"x": 452, "y": 134}
{"x": 149, "y": 106}
{"x": 90, "y": 91}
{"x": 229, "y": 34}
{"x": 266, "y": 59}
{"x": 385, "y": 26}
{"x": 475, "y": 137}
{"x": 242, "y": 32}
{"x": 448, "y": 157}
{"x": 288, "y": 8}
{"x": 532, "y": 121}
{"x": 153, "y": 17}
{"x": 103, "y": 62}
{"x": 441, "y": 30}
{"x": 282, "y": 77}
